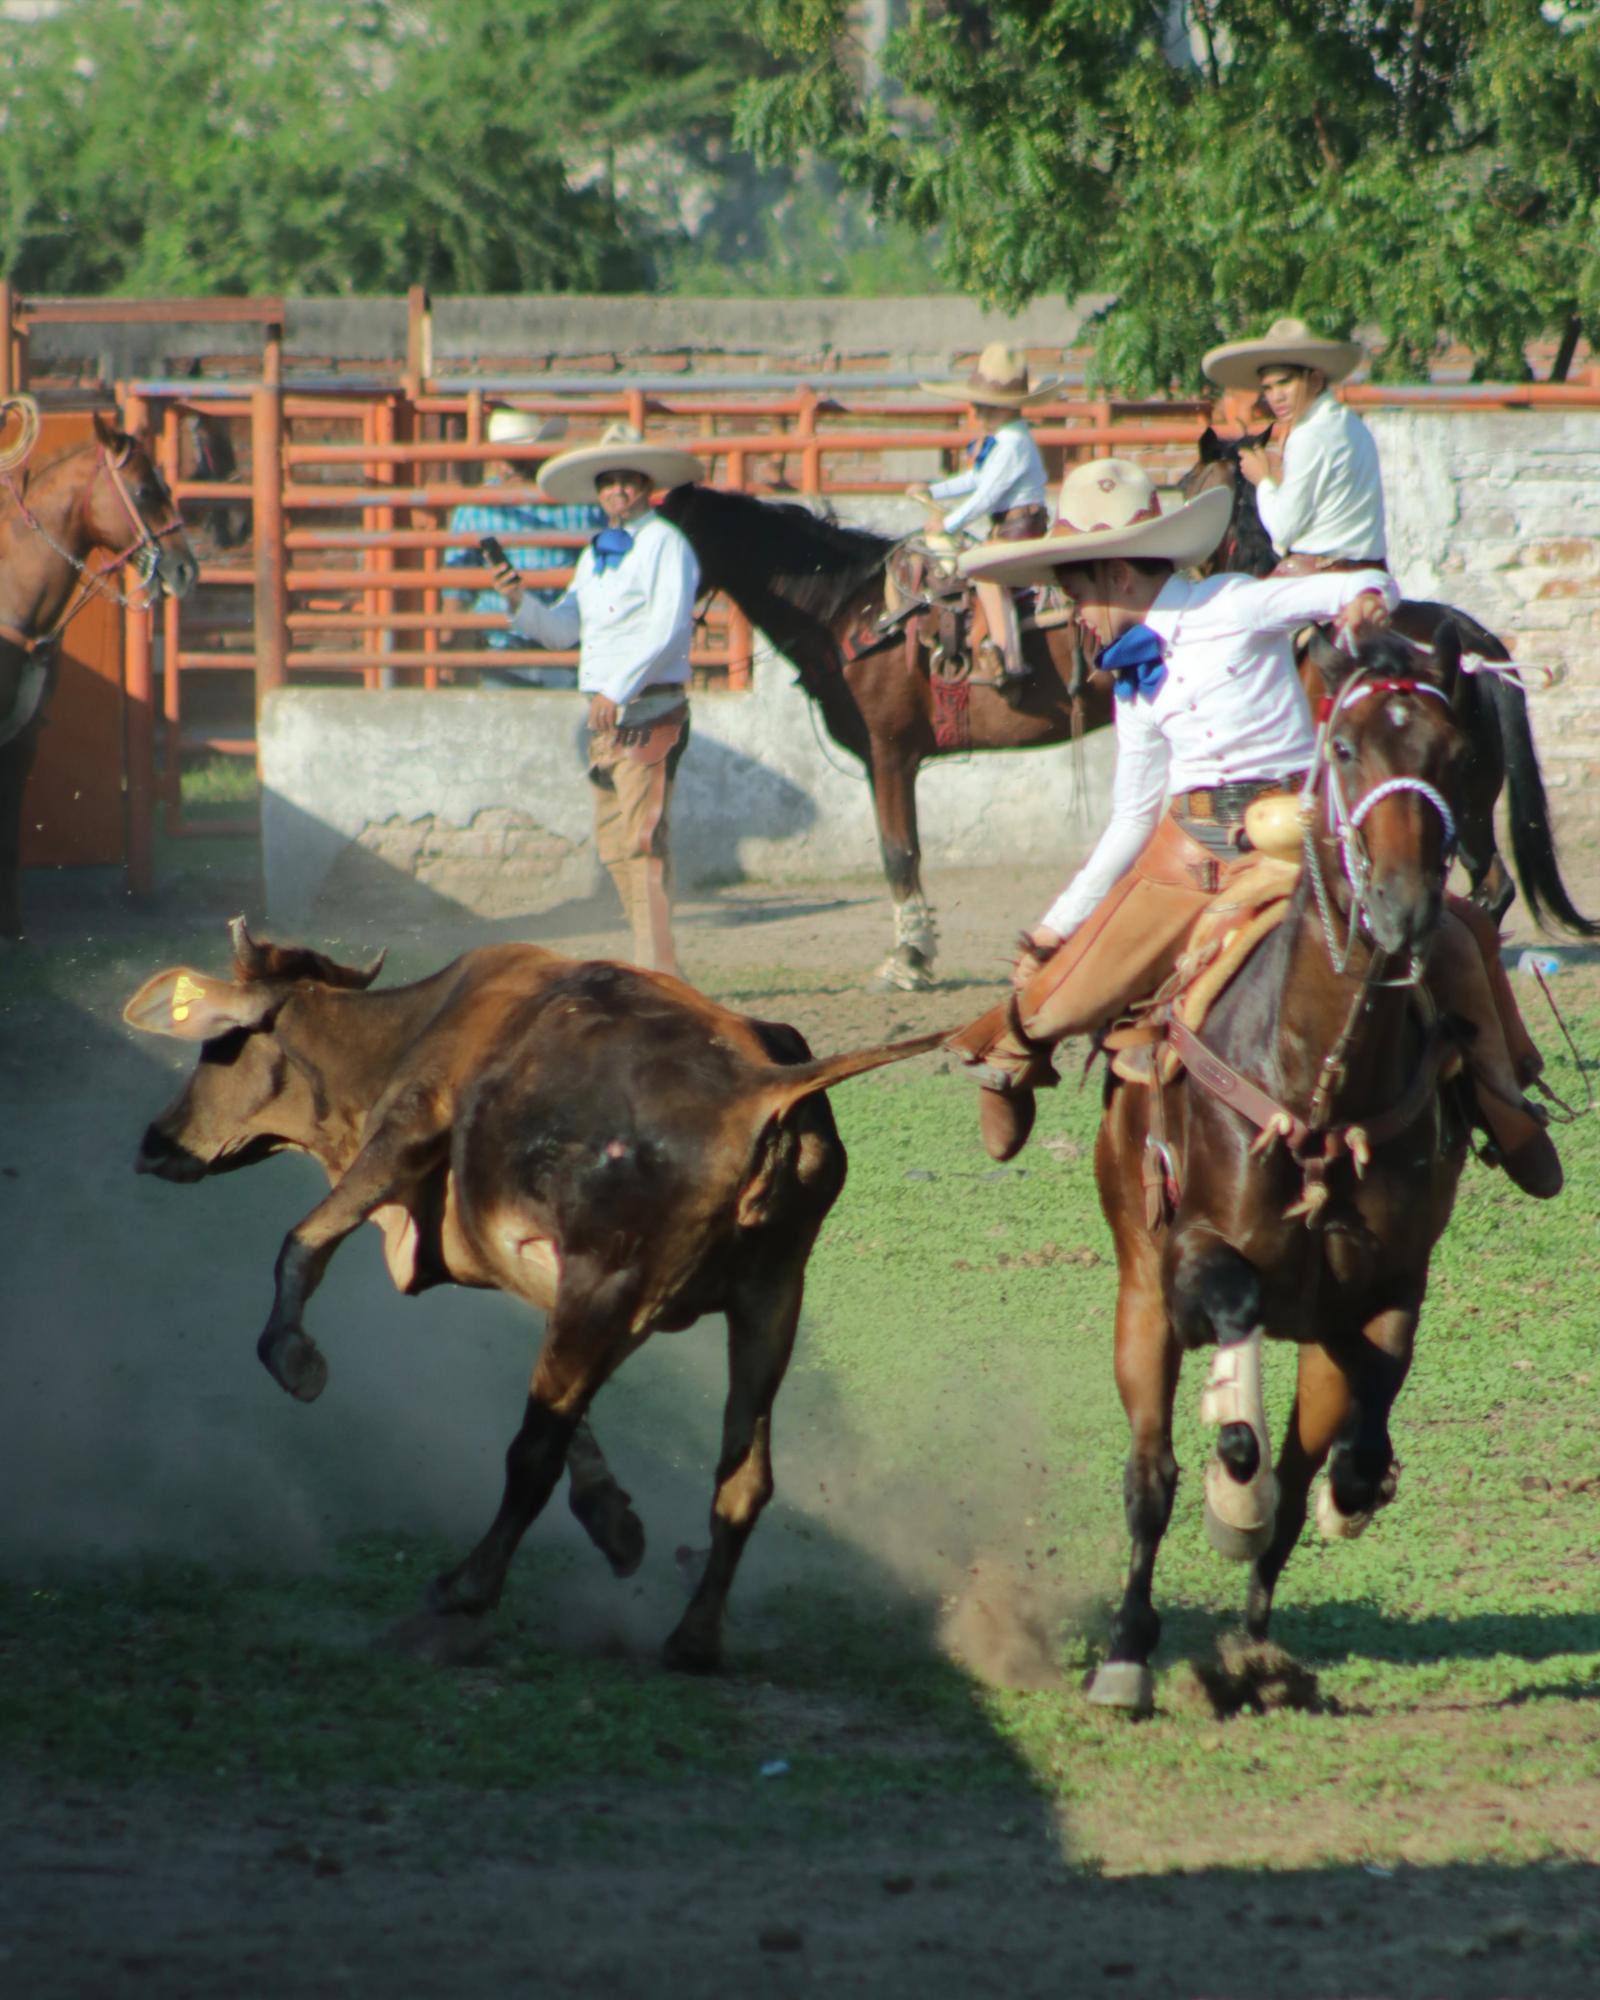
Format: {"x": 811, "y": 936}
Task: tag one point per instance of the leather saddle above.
{"x": 940, "y": 610}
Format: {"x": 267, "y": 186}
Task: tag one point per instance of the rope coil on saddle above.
{"x": 26, "y": 412}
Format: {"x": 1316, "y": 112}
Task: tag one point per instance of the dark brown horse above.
{"x": 816, "y": 590}
{"x": 1490, "y": 707}
{"x": 1310, "y": 1211}
{"x": 104, "y": 494}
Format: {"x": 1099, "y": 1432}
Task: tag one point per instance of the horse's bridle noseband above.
{"x": 1344, "y": 820}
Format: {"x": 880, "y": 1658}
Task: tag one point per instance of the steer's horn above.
{"x": 247, "y": 954}
{"x": 788, "y": 1085}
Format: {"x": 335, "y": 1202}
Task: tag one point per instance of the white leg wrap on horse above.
{"x": 915, "y": 927}
{"x": 1240, "y": 1515}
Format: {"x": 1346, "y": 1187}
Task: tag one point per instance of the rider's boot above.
{"x": 1000, "y": 656}
{"x": 1008, "y": 1075}
{"x": 1460, "y": 978}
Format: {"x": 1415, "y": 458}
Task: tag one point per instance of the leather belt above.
{"x": 1228, "y": 802}
{"x": 1330, "y": 565}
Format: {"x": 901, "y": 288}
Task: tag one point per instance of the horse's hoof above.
{"x": 438, "y": 1639}
{"x": 1334, "y": 1525}
{"x": 903, "y": 974}
{"x": 1123, "y": 1684}
{"x": 1240, "y": 1518}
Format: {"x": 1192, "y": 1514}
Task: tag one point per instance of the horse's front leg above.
{"x": 1216, "y": 1295}
{"x": 909, "y": 966}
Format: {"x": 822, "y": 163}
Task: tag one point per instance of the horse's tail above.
{"x": 1533, "y": 841}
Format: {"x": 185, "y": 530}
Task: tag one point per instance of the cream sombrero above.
{"x": 508, "y": 426}
{"x": 572, "y": 475}
{"x": 1287, "y": 343}
{"x": 1108, "y": 507}
{"x": 999, "y": 381}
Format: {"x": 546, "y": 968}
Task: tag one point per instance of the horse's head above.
{"x": 127, "y": 508}
{"x": 1218, "y": 463}
{"x": 1388, "y": 764}
{"x": 1245, "y": 546}
{"x": 207, "y": 455}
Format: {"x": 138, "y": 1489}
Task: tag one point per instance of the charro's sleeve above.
{"x": 1138, "y": 792}
{"x": 1288, "y": 507}
{"x": 1285, "y": 603}
{"x": 554, "y": 625}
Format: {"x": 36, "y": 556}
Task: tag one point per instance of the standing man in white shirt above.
{"x": 1005, "y": 481}
{"x": 1207, "y": 702}
{"x": 1324, "y": 508}
{"x": 630, "y": 611}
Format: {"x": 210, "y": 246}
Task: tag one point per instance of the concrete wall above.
{"x": 481, "y": 796}
{"x": 1499, "y": 512}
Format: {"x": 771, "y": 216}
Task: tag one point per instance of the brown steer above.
{"x": 605, "y": 1143}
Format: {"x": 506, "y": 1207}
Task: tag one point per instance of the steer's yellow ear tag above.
{"x": 186, "y": 991}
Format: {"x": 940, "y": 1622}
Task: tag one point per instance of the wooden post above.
{"x": 171, "y": 651}
{"x": 272, "y": 596}
{"x": 419, "y": 340}
{"x": 8, "y": 307}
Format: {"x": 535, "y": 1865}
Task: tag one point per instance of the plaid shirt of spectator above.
{"x": 536, "y": 518}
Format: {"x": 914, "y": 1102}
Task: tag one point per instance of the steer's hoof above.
{"x": 609, "y": 1521}
{"x": 691, "y": 1652}
{"x": 1124, "y": 1684}
{"x": 1240, "y": 1518}
{"x": 295, "y": 1362}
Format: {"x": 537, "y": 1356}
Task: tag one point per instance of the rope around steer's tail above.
{"x": 25, "y": 411}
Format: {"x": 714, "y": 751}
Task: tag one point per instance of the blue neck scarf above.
{"x": 610, "y": 546}
{"x": 980, "y": 449}
{"x": 1136, "y": 661}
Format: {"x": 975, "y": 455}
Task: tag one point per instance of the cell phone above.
{"x": 493, "y": 552}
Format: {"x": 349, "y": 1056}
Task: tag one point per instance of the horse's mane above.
{"x": 817, "y": 565}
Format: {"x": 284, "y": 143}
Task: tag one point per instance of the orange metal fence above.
{"x": 351, "y": 491}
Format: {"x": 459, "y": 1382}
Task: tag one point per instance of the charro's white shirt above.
{"x": 633, "y": 624}
{"x": 1011, "y": 476}
{"x": 1330, "y": 499}
{"x": 1230, "y": 709}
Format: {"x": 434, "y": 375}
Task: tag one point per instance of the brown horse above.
{"x": 1490, "y": 707}
{"x": 1310, "y": 1162}
{"x": 816, "y": 590}
{"x": 104, "y": 494}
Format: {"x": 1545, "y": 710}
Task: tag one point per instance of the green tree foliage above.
{"x": 1431, "y": 167}
{"x": 354, "y": 145}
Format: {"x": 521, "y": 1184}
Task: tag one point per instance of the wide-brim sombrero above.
{"x": 999, "y": 381}
{"x": 1287, "y": 343}
{"x": 1108, "y": 507}
{"x": 572, "y": 474}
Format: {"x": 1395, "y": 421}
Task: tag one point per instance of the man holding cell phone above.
{"x": 490, "y": 518}
{"x": 630, "y": 611}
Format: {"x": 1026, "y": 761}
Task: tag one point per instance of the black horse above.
{"x": 1491, "y": 712}
{"x": 816, "y": 590}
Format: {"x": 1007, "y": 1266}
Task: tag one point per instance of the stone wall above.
{"x": 1499, "y": 512}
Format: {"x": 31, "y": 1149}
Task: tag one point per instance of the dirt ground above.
{"x": 599, "y": 1887}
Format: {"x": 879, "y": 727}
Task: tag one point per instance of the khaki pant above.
{"x": 631, "y": 775}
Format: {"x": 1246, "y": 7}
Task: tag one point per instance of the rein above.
{"x": 1314, "y": 1144}
{"x": 92, "y": 583}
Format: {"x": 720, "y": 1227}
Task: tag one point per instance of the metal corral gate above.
{"x": 351, "y": 485}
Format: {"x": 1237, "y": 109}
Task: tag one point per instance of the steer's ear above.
{"x": 193, "y": 1006}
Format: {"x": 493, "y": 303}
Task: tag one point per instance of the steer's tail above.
{"x": 788, "y": 1086}
{"x": 1532, "y": 837}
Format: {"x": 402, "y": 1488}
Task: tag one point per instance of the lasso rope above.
{"x": 26, "y": 412}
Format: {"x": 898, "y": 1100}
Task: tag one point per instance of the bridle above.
{"x": 143, "y": 551}
{"x": 1344, "y": 822}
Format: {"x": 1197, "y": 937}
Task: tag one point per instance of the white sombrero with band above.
{"x": 1287, "y": 343}
{"x": 572, "y": 475}
{"x": 999, "y": 381}
{"x": 1108, "y": 507}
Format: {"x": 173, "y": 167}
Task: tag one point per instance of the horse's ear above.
{"x": 1447, "y": 655}
{"x": 1260, "y": 441}
{"x": 1210, "y": 446}
{"x": 1331, "y": 664}
{"x": 108, "y": 433}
